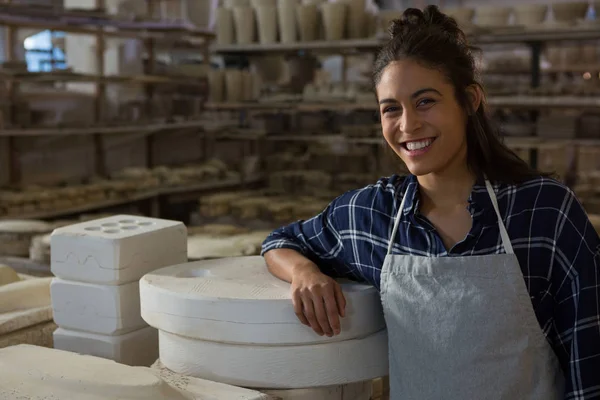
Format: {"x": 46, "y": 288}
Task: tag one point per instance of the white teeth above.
{"x": 418, "y": 145}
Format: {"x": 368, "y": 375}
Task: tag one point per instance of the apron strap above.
{"x": 396, "y": 224}
{"x": 503, "y": 233}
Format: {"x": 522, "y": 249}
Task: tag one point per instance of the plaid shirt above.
{"x": 556, "y": 245}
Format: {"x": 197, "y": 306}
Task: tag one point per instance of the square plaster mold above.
{"x": 118, "y": 249}
{"x": 102, "y": 309}
{"x": 138, "y": 348}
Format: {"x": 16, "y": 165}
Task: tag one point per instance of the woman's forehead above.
{"x": 405, "y": 77}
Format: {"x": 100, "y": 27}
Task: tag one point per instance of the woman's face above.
{"x": 421, "y": 119}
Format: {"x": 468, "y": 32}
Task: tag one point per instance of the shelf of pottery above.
{"x": 126, "y": 186}
{"x": 124, "y": 295}
{"x": 285, "y": 21}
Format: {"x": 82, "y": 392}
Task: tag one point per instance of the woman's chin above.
{"x": 419, "y": 169}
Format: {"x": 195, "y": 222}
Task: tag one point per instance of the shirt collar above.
{"x": 479, "y": 202}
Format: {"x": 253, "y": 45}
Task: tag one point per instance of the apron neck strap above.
{"x": 508, "y": 249}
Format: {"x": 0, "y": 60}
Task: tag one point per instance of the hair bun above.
{"x": 429, "y": 19}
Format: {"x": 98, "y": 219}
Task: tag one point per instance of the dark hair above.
{"x": 434, "y": 40}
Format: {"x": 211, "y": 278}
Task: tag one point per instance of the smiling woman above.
{"x": 488, "y": 270}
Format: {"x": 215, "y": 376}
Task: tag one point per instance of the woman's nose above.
{"x": 410, "y": 121}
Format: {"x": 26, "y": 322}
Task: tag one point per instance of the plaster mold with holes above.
{"x": 95, "y": 295}
{"x": 116, "y": 250}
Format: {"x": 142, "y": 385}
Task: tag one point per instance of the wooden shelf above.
{"x": 92, "y": 23}
{"x": 148, "y": 129}
{"x": 50, "y": 77}
{"x": 496, "y": 101}
{"x": 529, "y": 142}
{"x": 167, "y": 191}
{"x": 586, "y": 102}
{"x": 373, "y": 44}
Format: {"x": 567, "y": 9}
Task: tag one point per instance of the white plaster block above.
{"x": 137, "y": 348}
{"x": 237, "y": 300}
{"x": 277, "y": 367}
{"x": 118, "y": 249}
{"x": 102, "y": 309}
{"x": 35, "y": 373}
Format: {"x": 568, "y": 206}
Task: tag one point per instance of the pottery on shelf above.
{"x": 234, "y": 84}
{"x": 286, "y": 18}
{"x": 244, "y": 24}
{"x": 334, "y": 19}
{"x": 266, "y": 18}
{"x": 225, "y": 26}
{"x": 569, "y": 12}
{"x": 307, "y": 16}
{"x": 356, "y": 21}
{"x": 216, "y": 85}
{"x": 263, "y": 3}
{"x": 490, "y": 16}
{"x": 231, "y": 4}
{"x": 530, "y": 15}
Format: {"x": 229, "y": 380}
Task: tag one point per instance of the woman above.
{"x": 488, "y": 271}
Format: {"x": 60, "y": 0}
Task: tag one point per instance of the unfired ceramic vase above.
{"x": 225, "y": 27}
{"x": 244, "y": 25}
{"x": 263, "y": 3}
{"x": 570, "y": 12}
{"x": 307, "y": 16}
{"x": 231, "y": 4}
{"x": 334, "y": 20}
{"x": 356, "y": 20}
{"x": 266, "y": 18}
{"x": 490, "y": 16}
{"x": 248, "y": 86}
{"x": 286, "y": 14}
{"x": 216, "y": 82}
{"x": 234, "y": 85}
{"x": 530, "y": 15}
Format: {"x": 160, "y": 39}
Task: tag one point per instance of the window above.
{"x": 41, "y": 53}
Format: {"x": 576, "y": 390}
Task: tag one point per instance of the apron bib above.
{"x": 464, "y": 328}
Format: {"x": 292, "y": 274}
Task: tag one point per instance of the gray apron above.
{"x": 463, "y": 328}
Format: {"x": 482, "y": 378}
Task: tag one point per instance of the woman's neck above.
{"x": 446, "y": 190}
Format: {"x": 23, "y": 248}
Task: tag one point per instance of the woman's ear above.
{"x": 474, "y": 95}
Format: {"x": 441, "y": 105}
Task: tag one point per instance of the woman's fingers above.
{"x": 320, "y": 303}
{"x": 340, "y": 300}
{"x": 299, "y": 307}
{"x": 310, "y": 314}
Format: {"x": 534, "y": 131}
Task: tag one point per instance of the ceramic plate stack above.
{"x": 229, "y": 320}
{"x": 16, "y": 236}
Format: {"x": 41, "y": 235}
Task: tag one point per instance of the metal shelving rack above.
{"x": 535, "y": 40}
{"x": 15, "y": 17}
{"x": 102, "y": 26}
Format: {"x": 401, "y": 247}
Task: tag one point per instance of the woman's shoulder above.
{"x": 380, "y": 195}
{"x": 540, "y": 193}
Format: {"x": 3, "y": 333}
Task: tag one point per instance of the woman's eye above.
{"x": 424, "y": 102}
{"x": 390, "y": 109}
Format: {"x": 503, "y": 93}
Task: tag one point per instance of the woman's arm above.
{"x": 575, "y": 284}
{"x": 308, "y": 254}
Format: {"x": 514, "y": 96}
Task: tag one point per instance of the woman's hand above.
{"x": 318, "y": 300}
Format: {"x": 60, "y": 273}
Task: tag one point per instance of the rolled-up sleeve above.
{"x": 317, "y": 239}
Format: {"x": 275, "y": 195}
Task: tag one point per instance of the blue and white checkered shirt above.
{"x": 556, "y": 245}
